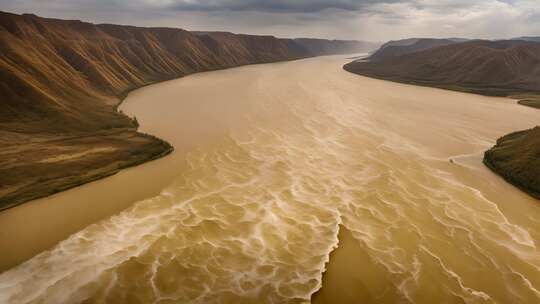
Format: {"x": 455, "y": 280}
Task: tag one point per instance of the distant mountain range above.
{"x": 408, "y": 46}
{"x": 500, "y": 68}
{"x": 411, "y": 45}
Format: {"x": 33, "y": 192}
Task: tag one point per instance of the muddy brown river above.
{"x": 274, "y": 162}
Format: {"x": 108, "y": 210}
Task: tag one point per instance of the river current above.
{"x": 292, "y": 153}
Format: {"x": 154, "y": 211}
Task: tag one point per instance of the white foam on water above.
{"x": 254, "y": 217}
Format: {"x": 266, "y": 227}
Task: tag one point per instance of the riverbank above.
{"x": 67, "y": 212}
{"x": 512, "y": 159}
{"x": 64, "y": 80}
{"x": 40, "y": 165}
{"x": 523, "y": 97}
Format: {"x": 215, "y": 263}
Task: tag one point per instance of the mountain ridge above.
{"x": 411, "y": 45}
{"x": 500, "y": 68}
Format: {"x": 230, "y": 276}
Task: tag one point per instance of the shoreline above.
{"x": 519, "y": 95}
{"x": 36, "y": 226}
{"x": 58, "y": 186}
{"x": 88, "y": 202}
{"x": 522, "y": 98}
{"x": 46, "y": 121}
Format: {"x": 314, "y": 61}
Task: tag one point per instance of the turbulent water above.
{"x": 295, "y": 151}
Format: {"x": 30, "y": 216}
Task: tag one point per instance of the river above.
{"x": 281, "y": 168}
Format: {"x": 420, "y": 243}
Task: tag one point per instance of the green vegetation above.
{"x": 516, "y": 157}
{"x": 535, "y": 103}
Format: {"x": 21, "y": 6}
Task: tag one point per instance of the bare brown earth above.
{"x": 43, "y": 165}
{"x": 498, "y": 68}
{"x": 61, "y": 81}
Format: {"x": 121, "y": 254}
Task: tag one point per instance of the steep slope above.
{"x": 408, "y": 46}
{"x": 86, "y": 62}
{"x": 61, "y": 81}
{"x": 488, "y": 67}
{"x": 500, "y": 68}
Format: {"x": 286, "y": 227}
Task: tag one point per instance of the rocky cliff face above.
{"x": 60, "y": 83}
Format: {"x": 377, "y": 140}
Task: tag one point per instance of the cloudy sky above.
{"x": 375, "y": 20}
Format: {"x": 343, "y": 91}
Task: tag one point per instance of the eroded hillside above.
{"x": 61, "y": 81}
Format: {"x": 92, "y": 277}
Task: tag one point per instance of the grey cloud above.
{"x": 305, "y": 6}
{"x": 313, "y": 6}
{"x": 376, "y": 20}
{"x": 533, "y": 17}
